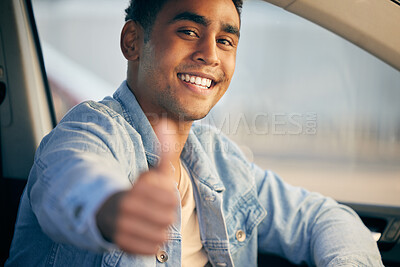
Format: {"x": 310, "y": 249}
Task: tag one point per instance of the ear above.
{"x": 131, "y": 40}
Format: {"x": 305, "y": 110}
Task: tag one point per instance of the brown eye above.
{"x": 224, "y": 42}
{"x": 189, "y": 33}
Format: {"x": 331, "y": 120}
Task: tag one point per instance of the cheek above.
{"x": 169, "y": 55}
{"x": 229, "y": 64}
{"x": 233, "y": 64}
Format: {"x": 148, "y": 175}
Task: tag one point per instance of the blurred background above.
{"x": 305, "y": 103}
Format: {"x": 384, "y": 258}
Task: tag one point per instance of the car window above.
{"x": 305, "y": 103}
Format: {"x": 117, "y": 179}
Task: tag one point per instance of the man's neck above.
{"x": 171, "y": 132}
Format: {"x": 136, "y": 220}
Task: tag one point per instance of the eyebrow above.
{"x": 229, "y": 28}
{"x": 191, "y": 17}
{"x": 226, "y": 27}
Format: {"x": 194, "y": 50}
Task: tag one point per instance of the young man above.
{"x": 131, "y": 181}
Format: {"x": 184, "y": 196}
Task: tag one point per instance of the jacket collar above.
{"x": 196, "y": 156}
{"x": 135, "y": 116}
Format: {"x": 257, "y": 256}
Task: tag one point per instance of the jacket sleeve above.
{"x": 307, "y": 227}
{"x": 76, "y": 168}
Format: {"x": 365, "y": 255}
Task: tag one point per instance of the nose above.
{"x": 206, "y": 52}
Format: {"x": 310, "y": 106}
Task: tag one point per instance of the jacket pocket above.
{"x": 111, "y": 259}
{"x": 243, "y": 219}
{"x": 67, "y": 255}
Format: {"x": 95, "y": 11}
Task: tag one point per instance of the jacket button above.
{"x": 162, "y": 256}
{"x": 240, "y": 235}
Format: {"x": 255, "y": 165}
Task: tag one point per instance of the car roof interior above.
{"x": 376, "y": 32}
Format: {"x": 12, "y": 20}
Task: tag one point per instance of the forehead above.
{"x": 222, "y": 12}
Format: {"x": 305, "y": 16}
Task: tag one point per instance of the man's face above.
{"x": 188, "y": 62}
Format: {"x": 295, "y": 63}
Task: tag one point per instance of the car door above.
{"x": 26, "y": 112}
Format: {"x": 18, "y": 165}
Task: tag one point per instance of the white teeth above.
{"x": 204, "y": 82}
{"x": 198, "y": 80}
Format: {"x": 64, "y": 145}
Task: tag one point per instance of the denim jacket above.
{"x": 100, "y": 148}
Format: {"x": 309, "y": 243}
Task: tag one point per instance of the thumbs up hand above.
{"x": 137, "y": 220}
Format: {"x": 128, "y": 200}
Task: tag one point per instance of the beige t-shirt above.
{"x": 193, "y": 253}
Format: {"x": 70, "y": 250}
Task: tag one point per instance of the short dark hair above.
{"x": 145, "y": 12}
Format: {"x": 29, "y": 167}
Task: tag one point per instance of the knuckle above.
{"x": 159, "y": 239}
{"x": 172, "y": 218}
{"x": 124, "y": 204}
{"x": 171, "y": 202}
{"x": 168, "y": 219}
{"x": 119, "y": 240}
{"x": 154, "y": 250}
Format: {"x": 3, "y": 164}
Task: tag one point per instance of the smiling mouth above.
{"x": 201, "y": 82}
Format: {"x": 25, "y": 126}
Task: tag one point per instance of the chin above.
{"x": 185, "y": 116}
{"x": 186, "y": 111}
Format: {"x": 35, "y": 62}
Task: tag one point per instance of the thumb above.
{"x": 166, "y": 137}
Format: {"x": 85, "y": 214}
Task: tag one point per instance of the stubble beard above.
{"x": 182, "y": 112}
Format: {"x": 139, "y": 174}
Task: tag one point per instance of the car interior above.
{"x": 26, "y": 108}
{"x": 27, "y": 112}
